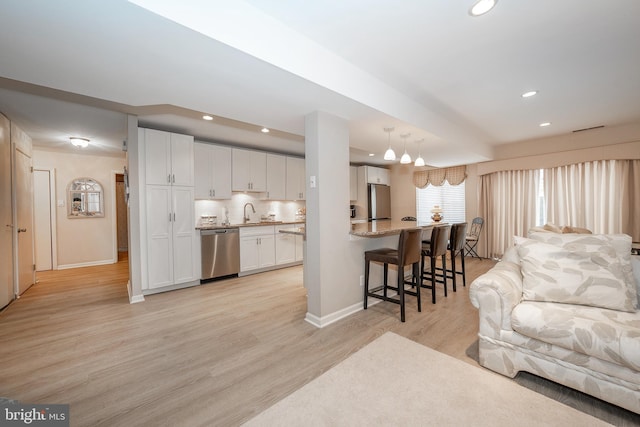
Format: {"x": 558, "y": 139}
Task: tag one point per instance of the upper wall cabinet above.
{"x": 276, "y": 177}
{"x": 169, "y": 158}
{"x": 296, "y": 178}
{"x": 212, "y": 165}
{"x": 377, "y": 175}
{"x": 249, "y": 170}
{"x": 353, "y": 182}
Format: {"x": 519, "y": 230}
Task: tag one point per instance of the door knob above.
{"x": 22, "y": 230}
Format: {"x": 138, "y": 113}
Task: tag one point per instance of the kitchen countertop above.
{"x": 247, "y": 224}
{"x": 388, "y": 227}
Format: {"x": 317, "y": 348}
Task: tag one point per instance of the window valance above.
{"x": 455, "y": 176}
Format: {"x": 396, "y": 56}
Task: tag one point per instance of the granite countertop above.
{"x": 388, "y": 227}
{"x": 247, "y": 224}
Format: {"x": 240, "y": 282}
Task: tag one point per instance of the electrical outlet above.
{"x": 361, "y": 281}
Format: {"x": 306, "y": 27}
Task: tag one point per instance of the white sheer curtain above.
{"x": 603, "y": 196}
{"x": 508, "y": 206}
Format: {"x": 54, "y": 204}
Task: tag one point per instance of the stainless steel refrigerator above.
{"x": 379, "y": 202}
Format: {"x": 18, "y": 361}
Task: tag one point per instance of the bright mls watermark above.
{"x": 14, "y": 413}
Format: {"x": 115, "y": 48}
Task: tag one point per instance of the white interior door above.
{"x": 42, "y": 219}
{"x": 24, "y": 223}
{"x": 6, "y": 220}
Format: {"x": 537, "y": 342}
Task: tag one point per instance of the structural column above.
{"x": 327, "y": 258}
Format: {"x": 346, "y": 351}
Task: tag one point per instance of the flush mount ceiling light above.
{"x": 406, "y": 158}
{"x": 389, "y": 154}
{"x": 207, "y": 117}
{"x": 371, "y": 154}
{"x": 481, "y": 7}
{"x": 264, "y": 130}
{"x": 529, "y": 94}
{"x": 419, "y": 160}
{"x": 79, "y": 142}
{"x": 545, "y": 124}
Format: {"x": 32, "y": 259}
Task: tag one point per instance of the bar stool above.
{"x": 457, "y": 240}
{"x": 434, "y": 248}
{"x": 408, "y": 252}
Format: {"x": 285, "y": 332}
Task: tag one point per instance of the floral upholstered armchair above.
{"x": 565, "y": 307}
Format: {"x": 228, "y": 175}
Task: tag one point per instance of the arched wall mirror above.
{"x": 85, "y": 198}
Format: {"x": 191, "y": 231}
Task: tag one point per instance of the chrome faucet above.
{"x": 246, "y": 217}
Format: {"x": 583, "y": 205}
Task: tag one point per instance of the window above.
{"x": 449, "y": 197}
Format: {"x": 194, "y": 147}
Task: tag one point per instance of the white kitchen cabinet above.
{"x": 285, "y": 248}
{"x": 212, "y": 165}
{"x": 299, "y": 248}
{"x": 168, "y": 158}
{"x": 171, "y": 236}
{"x": 276, "y": 177}
{"x": 257, "y": 248}
{"x": 248, "y": 170}
{"x": 377, "y": 175}
{"x": 353, "y": 182}
{"x": 296, "y": 178}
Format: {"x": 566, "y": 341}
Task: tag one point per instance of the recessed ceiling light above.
{"x": 529, "y": 94}
{"x": 264, "y": 130}
{"x": 481, "y": 7}
{"x": 79, "y": 142}
{"x": 206, "y": 117}
{"x": 371, "y": 154}
{"x": 545, "y": 124}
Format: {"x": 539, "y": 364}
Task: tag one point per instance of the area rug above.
{"x": 394, "y": 381}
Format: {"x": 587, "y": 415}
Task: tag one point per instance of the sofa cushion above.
{"x": 574, "y": 275}
{"x": 609, "y": 335}
{"x": 621, "y": 243}
{"x": 581, "y": 269}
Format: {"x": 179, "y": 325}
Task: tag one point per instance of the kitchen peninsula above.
{"x": 388, "y": 227}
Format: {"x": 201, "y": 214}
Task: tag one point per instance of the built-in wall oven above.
{"x": 220, "y": 250}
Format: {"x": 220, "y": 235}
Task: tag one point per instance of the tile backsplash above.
{"x": 283, "y": 210}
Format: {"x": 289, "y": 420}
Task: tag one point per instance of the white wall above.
{"x": 82, "y": 241}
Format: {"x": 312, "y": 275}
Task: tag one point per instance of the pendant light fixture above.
{"x": 406, "y": 158}
{"x": 389, "y": 154}
{"x": 419, "y": 160}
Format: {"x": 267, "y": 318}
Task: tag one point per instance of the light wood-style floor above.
{"x": 212, "y": 355}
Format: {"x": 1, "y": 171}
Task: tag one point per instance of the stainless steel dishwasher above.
{"x": 220, "y": 252}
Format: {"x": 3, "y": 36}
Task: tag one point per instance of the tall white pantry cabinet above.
{"x": 171, "y": 236}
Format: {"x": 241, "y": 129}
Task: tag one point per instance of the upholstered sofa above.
{"x": 565, "y": 307}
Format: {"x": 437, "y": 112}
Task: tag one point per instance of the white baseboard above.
{"x": 135, "y": 298}
{"x": 171, "y": 287}
{"x": 86, "y": 264}
{"x": 321, "y": 322}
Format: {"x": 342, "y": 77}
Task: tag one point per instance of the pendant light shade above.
{"x": 389, "y": 154}
{"x": 419, "y": 160}
{"x": 406, "y": 158}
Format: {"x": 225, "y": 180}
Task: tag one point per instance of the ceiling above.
{"x": 77, "y": 68}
